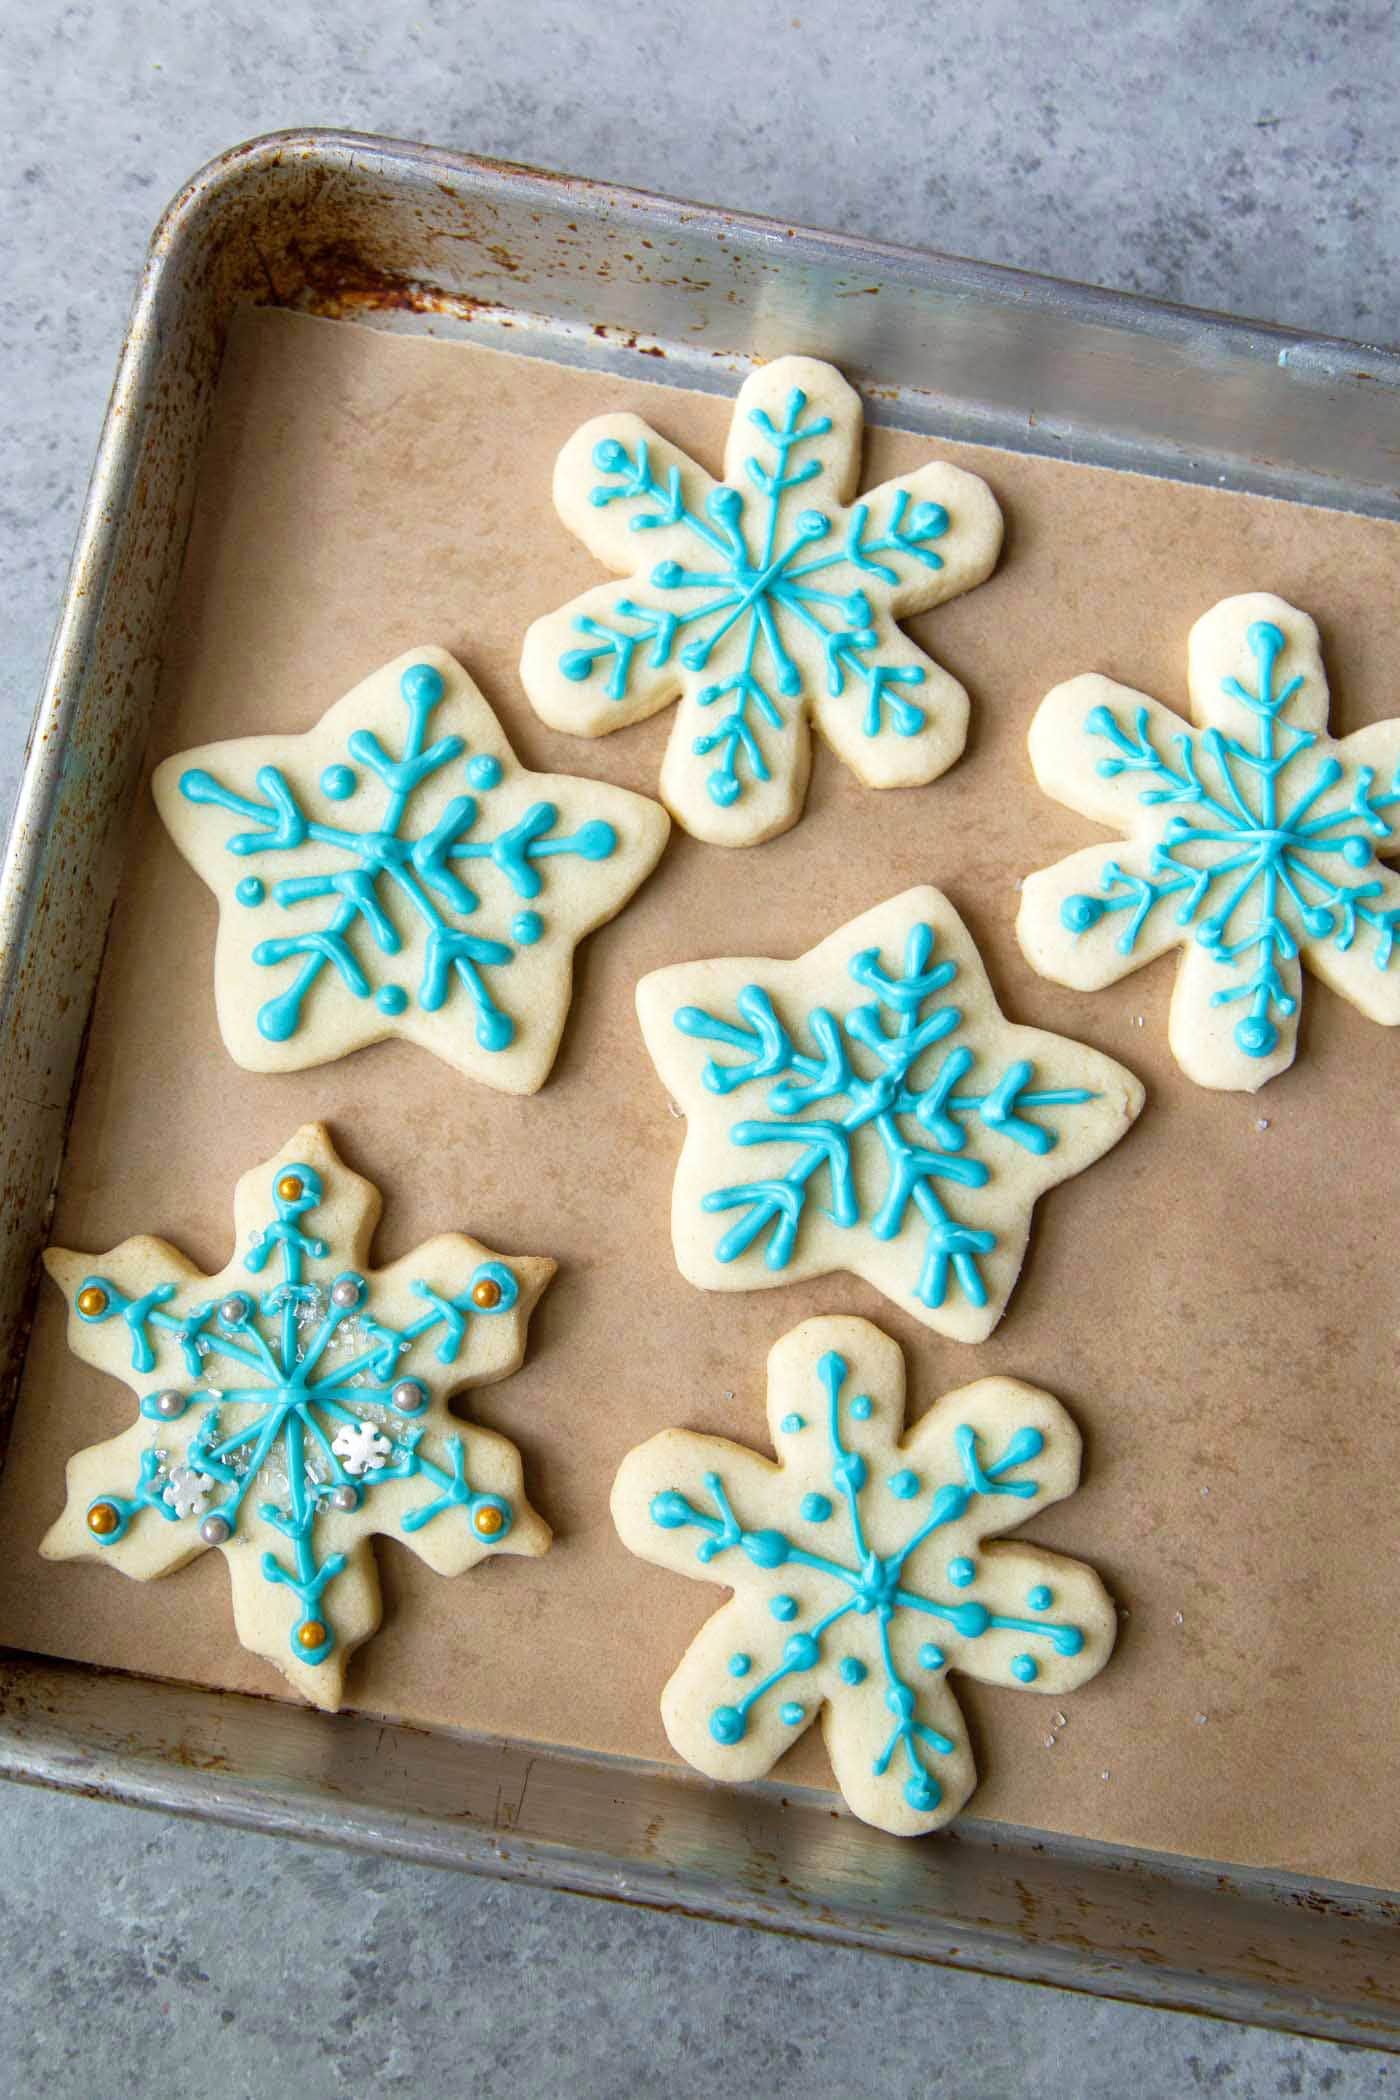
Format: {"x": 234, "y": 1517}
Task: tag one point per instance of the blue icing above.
{"x": 924, "y": 1153}
{"x": 791, "y": 1713}
{"x": 484, "y": 771}
{"x": 740, "y": 1665}
{"x": 526, "y": 928}
{"x": 904, "y": 1485}
{"x": 761, "y": 587}
{"x": 1025, "y": 1669}
{"x": 1040, "y": 1598}
{"x": 861, "y": 1407}
{"x": 391, "y": 998}
{"x": 421, "y": 872}
{"x": 1255, "y": 869}
{"x": 816, "y": 1508}
{"x": 251, "y": 891}
{"x": 792, "y": 1423}
{"x": 876, "y": 1588}
{"x": 292, "y": 1388}
{"x": 339, "y": 783}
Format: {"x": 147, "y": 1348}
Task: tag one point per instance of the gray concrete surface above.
{"x": 1242, "y": 157}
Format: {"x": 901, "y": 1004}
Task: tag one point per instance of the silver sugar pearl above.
{"x": 233, "y": 1310}
{"x": 345, "y": 1293}
{"x": 407, "y": 1396}
{"x": 345, "y": 1498}
{"x": 170, "y": 1405}
{"x": 215, "y": 1531}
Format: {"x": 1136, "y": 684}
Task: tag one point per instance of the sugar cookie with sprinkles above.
{"x": 1253, "y": 841}
{"x": 861, "y": 1572}
{"x": 869, "y": 1107}
{"x": 294, "y": 1405}
{"x": 395, "y": 871}
{"x": 761, "y": 600}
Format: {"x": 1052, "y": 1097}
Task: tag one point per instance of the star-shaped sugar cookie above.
{"x": 397, "y": 871}
{"x": 869, "y": 1107}
{"x": 294, "y": 1405}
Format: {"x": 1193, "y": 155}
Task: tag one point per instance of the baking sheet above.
{"x": 1214, "y": 1301}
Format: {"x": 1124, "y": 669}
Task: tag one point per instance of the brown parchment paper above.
{"x": 1217, "y": 1301}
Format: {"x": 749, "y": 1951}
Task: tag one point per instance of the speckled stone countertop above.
{"x": 1243, "y": 158}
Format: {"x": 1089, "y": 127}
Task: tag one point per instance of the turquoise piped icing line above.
{"x": 1253, "y": 867}
{"x": 764, "y": 569}
{"x": 875, "y": 1586}
{"x": 421, "y": 873}
{"x": 294, "y": 1386}
{"x": 922, "y": 1128}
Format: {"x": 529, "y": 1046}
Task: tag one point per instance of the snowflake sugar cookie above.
{"x": 1252, "y": 843}
{"x": 432, "y": 888}
{"x": 294, "y": 1405}
{"x": 860, "y": 1572}
{"x": 891, "y": 1120}
{"x": 759, "y": 600}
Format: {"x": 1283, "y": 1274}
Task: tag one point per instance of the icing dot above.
{"x": 931, "y": 1657}
{"x": 483, "y": 771}
{"x": 740, "y": 1665}
{"x": 251, "y": 890}
{"x": 802, "y": 1652}
{"x": 391, "y": 999}
{"x": 816, "y": 1508}
{"x": 339, "y": 782}
{"x": 961, "y": 1572}
{"x": 526, "y": 928}
{"x": 792, "y": 1423}
{"x": 904, "y": 1485}
{"x": 790, "y": 1713}
{"x": 861, "y": 1406}
{"x": 783, "y": 1607}
{"x": 727, "y": 1724}
{"x": 1040, "y": 1598}
{"x": 1256, "y": 1036}
{"x": 422, "y": 683}
{"x": 1024, "y": 1669}
{"x": 1080, "y": 914}
{"x": 852, "y": 1670}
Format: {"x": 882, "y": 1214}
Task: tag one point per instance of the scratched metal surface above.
{"x": 412, "y": 239}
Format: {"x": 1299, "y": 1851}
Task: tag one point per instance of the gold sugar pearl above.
{"x": 92, "y": 1301}
{"x": 290, "y": 1187}
{"x": 103, "y": 1520}
{"x": 486, "y": 1294}
{"x": 488, "y": 1520}
{"x": 312, "y": 1634}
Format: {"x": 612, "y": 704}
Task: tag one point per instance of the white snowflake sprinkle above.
{"x": 360, "y": 1447}
{"x": 188, "y": 1492}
